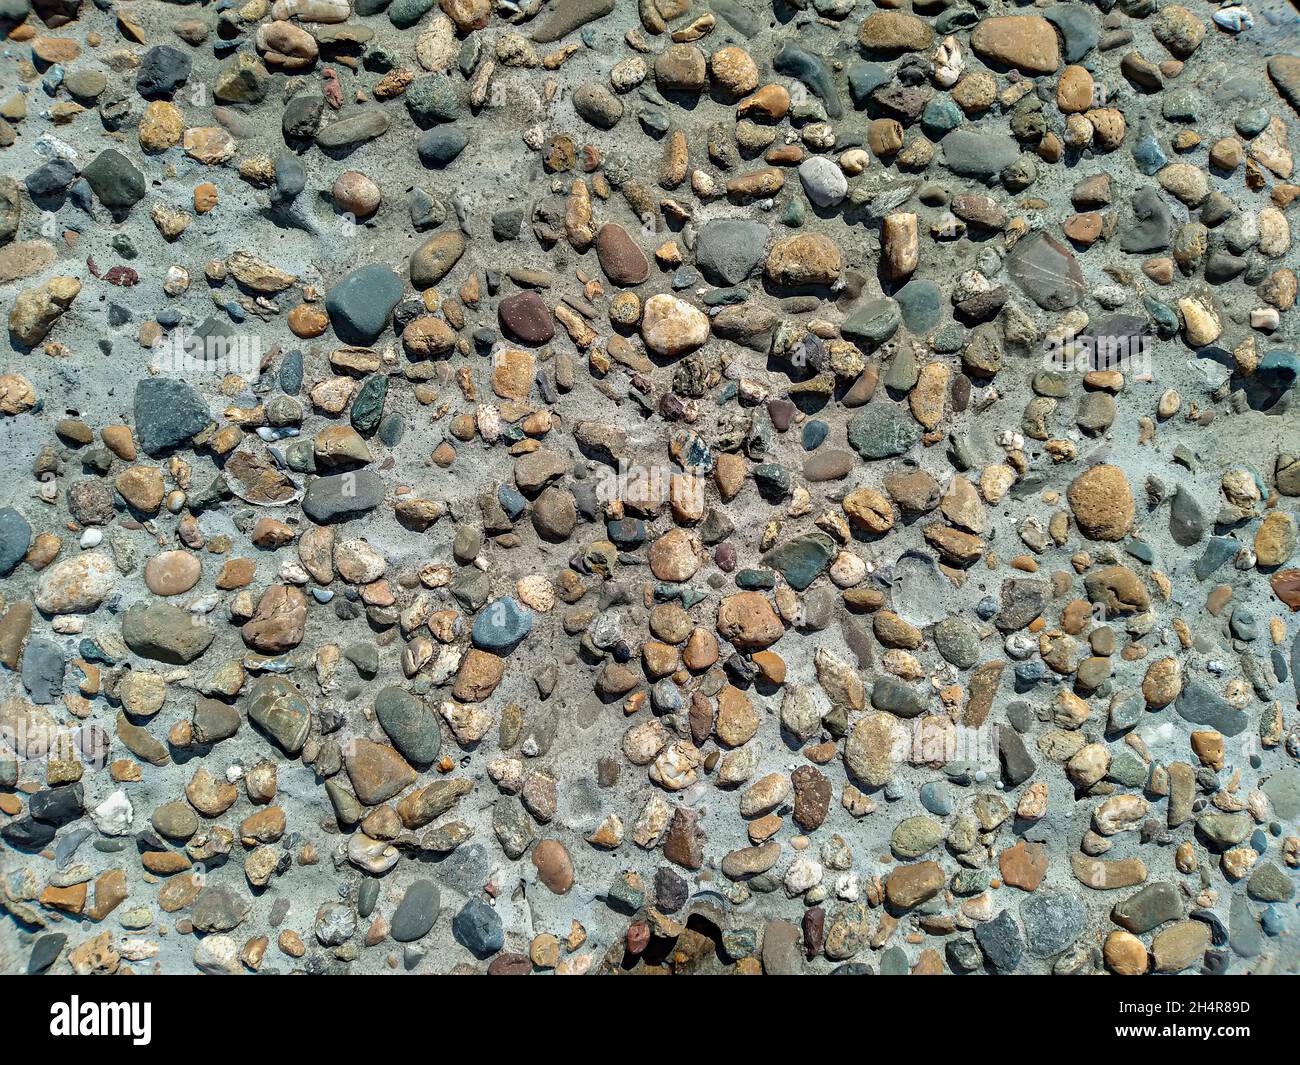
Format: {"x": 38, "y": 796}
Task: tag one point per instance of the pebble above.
{"x": 409, "y": 724}
{"x": 477, "y": 927}
{"x": 768, "y": 407}
{"x": 15, "y": 538}
{"x": 824, "y": 183}
{"x": 360, "y": 304}
{"x": 416, "y": 913}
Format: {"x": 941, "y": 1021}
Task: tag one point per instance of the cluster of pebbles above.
{"x": 599, "y": 486}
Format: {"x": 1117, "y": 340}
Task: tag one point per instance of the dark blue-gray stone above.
{"x": 962, "y": 954}
{"x": 43, "y": 667}
{"x": 417, "y": 912}
{"x": 919, "y": 302}
{"x": 440, "y": 146}
{"x": 291, "y": 373}
{"x": 45, "y": 952}
{"x": 168, "y": 413}
{"x": 409, "y": 724}
{"x": 752, "y": 580}
{"x": 740, "y": 18}
{"x": 941, "y": 116}
{"x": 27, "y": 834}
{"x": 772, "y": 480}
{"x": 1243, "y": 624}
{"x": 812, "y": 71}
{"x": 1187, "y": 522}
{"x": 118, "y": 185}
{"x": 1217, "y": 552}
{"x": 1147, "y": 153}
{"x": 1001, "y": 942}
{"x": 800, "y": 561}
{"x": 1118, "y": 340}
{"x": 814, "y": 434}
{"x": 730, "y": 249}
{"x": 864, "y": 79}
{"x": 162, "y": 70}
{"x": 290, "y": 178}
{"x": 471, "y": 587}
{"x": 361, "y": 304}
{"x": 406, "y": 13}
{"x": 427, "y": 213}
{"x": 1251, "y": 122}
{"x": 478, "y": 929}
{"x": 896, "y": 696}
{"x": 980, "y": 155}
{"x": 300, "y": 121}
{"x": 873, "y": 321}
{"x": 1078, "y": 26}
{"x": 15, "y": 538}
{"x": 1151, "y": 224}
{"x": 1201, "y": 706}
{"x": 1053, "y": 920}
{"x": 1244, "y": 935}
{"x": 1221, "y": 266}
{"x": 514, "y": 504}
{"x": 1279, "y": 369}
{"x": 936, "y": 796}
{"x": 882, "y": 430}
{"x": 392, "y": 428}
{"x": 58, "y": 806}
{"x": 368, "y": 406}
{"x": 501, "y": 624}
{"x": 367, "y": 897}
{"x": 342, "y": 496}
{"x": 48, "y": 183}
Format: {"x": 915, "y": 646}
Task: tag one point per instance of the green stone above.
{"x": 431, "y": 99}
{"x": 406, "y": 13}
{"x": 800, "y": 561}
{"x": 368, "y": 407}
{"x": 915, "y": 836}
{"x": 882, "y": 430}
{"x": 752, "y": 580}
{"x": 391, "y": 429}
{"x": 1269, "y": 884}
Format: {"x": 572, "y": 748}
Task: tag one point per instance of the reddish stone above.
{"x": 526, "y": 317}
{"x": 638, "y": 937}
{"x": 1023, "y": 865}
{"x": 814, "y": 931}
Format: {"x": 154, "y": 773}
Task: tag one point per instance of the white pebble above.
{"x": 114, "y": 815}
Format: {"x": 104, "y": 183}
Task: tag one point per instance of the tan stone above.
{"x": 1125, "y": 954}
{"x": 1026, "y": 42}
{"x": 1074, "y": 90}
{"x": 748, "y": 621}
{"x": 675, "y": 556}
{"x": 911, "y": 885}
{"x": 1102, "y": 502}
